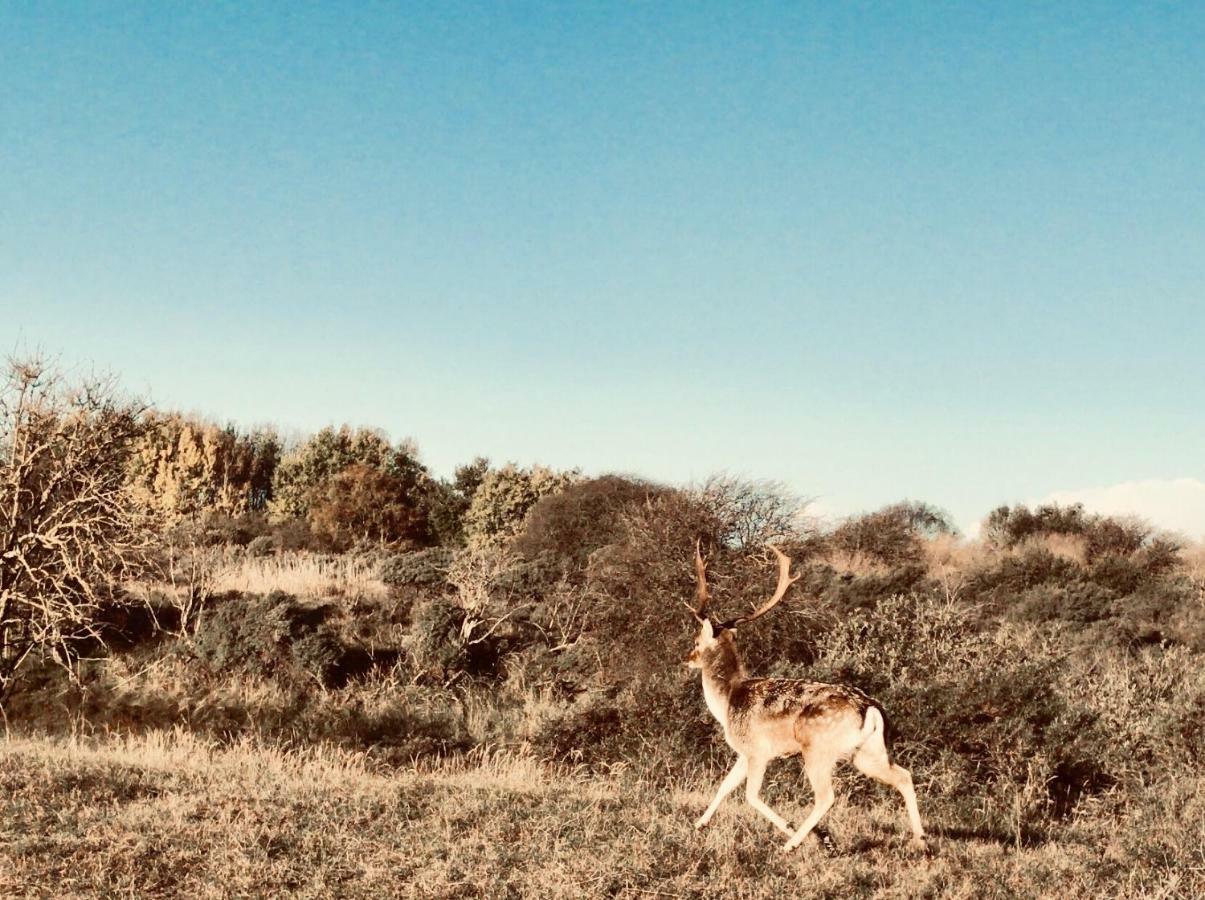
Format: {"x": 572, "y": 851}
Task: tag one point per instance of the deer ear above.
{"x": 708, "y": 632}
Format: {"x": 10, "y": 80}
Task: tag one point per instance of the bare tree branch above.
{"x": 69, "y": 532}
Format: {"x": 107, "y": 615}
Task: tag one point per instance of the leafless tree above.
{"x": 475, "y": 573}
{"x": 751, "y": 513}
{"x": 69, "y": 532}
{"x": 194, "y": 572}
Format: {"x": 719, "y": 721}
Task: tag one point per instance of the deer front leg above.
{"x": 757, "y": 770}
{"x": 731, "y": 782}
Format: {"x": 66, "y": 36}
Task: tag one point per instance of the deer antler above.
{"x": 784, "y": 581}
{"x": 701, "y": 595}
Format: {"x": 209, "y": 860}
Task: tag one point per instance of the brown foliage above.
{"x": 576, "y": 521}
{"x": 364, "y": 504}
{"x": 891, "y": 536}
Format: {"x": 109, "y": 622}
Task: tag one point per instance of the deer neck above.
{"x": 722, "y": 672}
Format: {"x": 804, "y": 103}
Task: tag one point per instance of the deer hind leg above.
{"x": 731, "y": 782}
{"x": 872, "y": 760}
{"x": 757, "y": 771}
{"x": 819, "y": 770}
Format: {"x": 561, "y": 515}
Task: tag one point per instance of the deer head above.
{"x": 711, "y": 633}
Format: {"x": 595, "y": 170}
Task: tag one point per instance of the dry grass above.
{"x": 951, "y": 560}
{"x": 859, "y": 565}
{"x": 1194, "y": 565}
{"x": 1071, "y": 547}
{"x": 948, "y": 555}
{"x": 166, "y": 815}
{"x": 304, "y": 575}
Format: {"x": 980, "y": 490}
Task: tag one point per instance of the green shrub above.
{"x": 269, "y": 636}
{"x": 422, "y": 568}
{"x": 222, "y": 529}
{"x": 502, "y": 500}
{"x": 1104, "y": 535}
{"x": 1161, "y": 556}
{"x": 569, "y": 525}
{"x": 656, "y": 726}
{"x": 263, "y": 545}
{"x": 1016, "y": 574}
{"x": 843, "y": 592}
{"x": 1081, "y": 602}
{"x": 1166, "y": 609}
{"x": 435, "y": 646}
{"x": 1009, "y": 526}
{"x": 528, "y": 579}
{"x": 1120, "y": 574}
{"x": 986, "y": 706}
{"x": 1114, "y": 537}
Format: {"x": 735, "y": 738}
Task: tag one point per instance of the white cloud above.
{"x": 1175, "y": 504}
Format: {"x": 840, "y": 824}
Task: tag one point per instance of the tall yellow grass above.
{"x": 303, "y": 575}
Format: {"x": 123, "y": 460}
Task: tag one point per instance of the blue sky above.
{"x": 874, "y": 251}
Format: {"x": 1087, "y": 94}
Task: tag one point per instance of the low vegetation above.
{"x": 476, "y": 687}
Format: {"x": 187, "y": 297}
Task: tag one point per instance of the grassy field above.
{"x": 167, "y": 815}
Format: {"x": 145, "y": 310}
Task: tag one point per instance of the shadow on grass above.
{"x": 1029, "y": 837}
{"x": 864, "y": 843}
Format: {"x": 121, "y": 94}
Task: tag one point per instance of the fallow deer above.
{"x": 767, "y": 718}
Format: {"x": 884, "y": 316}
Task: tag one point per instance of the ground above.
{"x": 166, "y": 815}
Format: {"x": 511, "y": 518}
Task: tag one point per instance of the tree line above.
{"x": 95, "y": 484}
{"x": 343, "y": 487}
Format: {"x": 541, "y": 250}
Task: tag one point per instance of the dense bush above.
{"x": 989, "y": 704}
{"x": 846, "y": 591}
{"x": 1016, "y": 573}
{"x": 1008, "y": 526}
{"x": 1076, "y": 601}
{"x": 1103, "y": 535}
{"x": 658, "y": 725}
{"x": 222, "y": 529}
{"x": 572, "y": 523}
{"x": 449, "y": 499}
{"x": 273, "y": 636}
{"x": 892, "y": 536}
{"x": 528, "y": 579}
{"x": 1167, "y": 610}
{"x": 363, "y": 505}
{"x": 1120, "y": 574}
{"x": 502, "y": 499}
{"x": 435, "y": 644}
{"x": 424, "y": 568}
{"x": 186, "y": 468}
